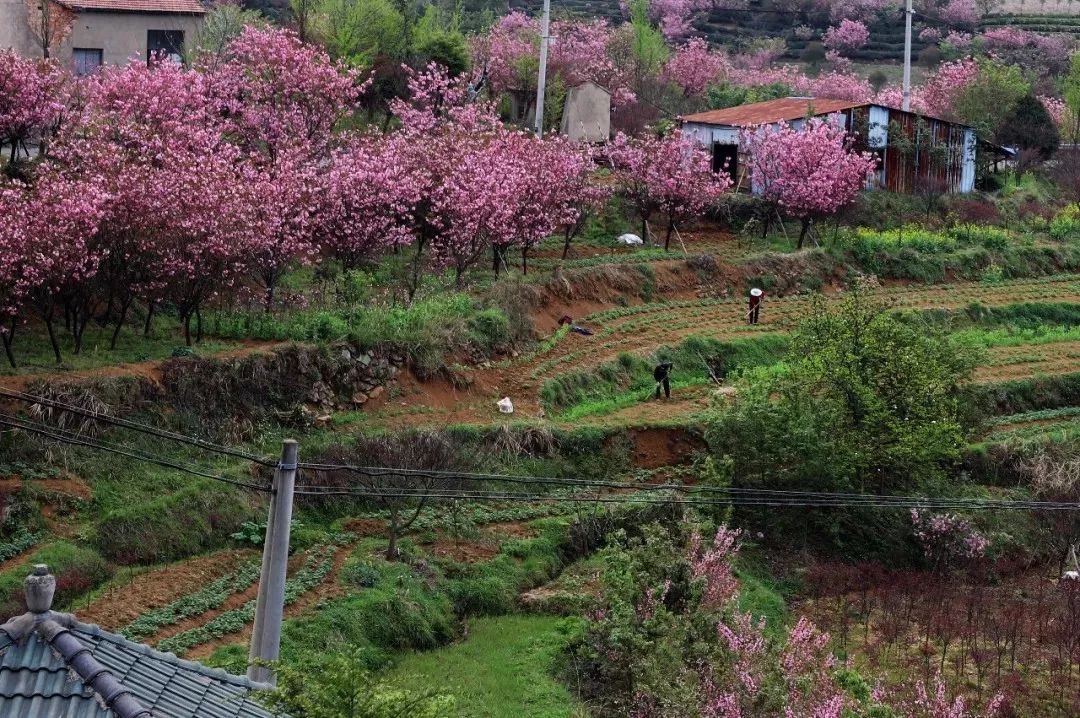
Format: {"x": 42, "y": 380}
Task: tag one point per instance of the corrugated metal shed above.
{"x": 38, "y": 681}
{"x": 764, "y": 113}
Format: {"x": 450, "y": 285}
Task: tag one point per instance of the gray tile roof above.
{"x": 53, "y": 666}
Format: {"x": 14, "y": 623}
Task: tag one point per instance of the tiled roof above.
{"x": 763, "y": 113}
{"x": 188, "y": 7}
{"x": 51, "y": 666}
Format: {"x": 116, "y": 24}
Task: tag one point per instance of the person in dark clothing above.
{"x": 755, "y": 305}
{"x": 662, "y": 374}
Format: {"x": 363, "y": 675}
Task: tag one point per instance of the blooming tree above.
{"x": 368, "y": 201}
{"x": 809, "y": 171}
{"x": 960, "y": 12}
{"x": 668, "y": 175}
{"x": 947, "y": 538}
{"x": 847, "y": 36}
{"x": 31, "y": 99}
{"x": 694, "y": 67}
{"x": 279, "y": 101}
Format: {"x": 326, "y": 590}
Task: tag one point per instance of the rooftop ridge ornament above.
{"x": 40, "y": 587}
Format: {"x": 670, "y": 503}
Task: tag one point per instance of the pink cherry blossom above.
{"x": 810, "y": 171}
{"x": 847, "y": 36}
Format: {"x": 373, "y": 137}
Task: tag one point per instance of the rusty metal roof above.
{"x": 187, "y": 7}
{"x": 764, "y": 113}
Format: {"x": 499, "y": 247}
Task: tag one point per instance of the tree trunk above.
{"x": 525, "y": 260}
{"x": 149, "y": 319}
{"x": 8, "y": 338}
{"x": 120, "y": 323}
{"x": 566, "y": 244}
{"x": 198, "y": 324}
{"x": 802, "y": 233}
{"x": 645, "y": 230}
{"x": 392, "y": 534}
{"x": 52, "y": 335}
{"x": 667, "y": 237}
{"x": 187, "y": 328}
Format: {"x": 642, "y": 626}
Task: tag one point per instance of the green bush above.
{"x": 194, "y": 519}
{"x": 398, "y": 611}
{"x": 78, "y": 569}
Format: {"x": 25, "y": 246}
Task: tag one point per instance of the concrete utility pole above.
{"x": 541, "y": 78}
{"x": 270, "y": 604}
{"x": 908, "y": 12}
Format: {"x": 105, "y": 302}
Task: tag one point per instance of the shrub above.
{"x": 176, "y": 526}
{"x": 78, "y": 569}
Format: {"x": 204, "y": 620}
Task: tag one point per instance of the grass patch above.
{"x": 502, "y": 670}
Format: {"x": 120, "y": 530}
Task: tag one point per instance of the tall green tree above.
{"x": 864, "y": 402}
{"x": 994, "y": 92}
{"x": 1028, "y": 126}
{"x": 362, "y": 32}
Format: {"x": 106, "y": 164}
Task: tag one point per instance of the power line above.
{"x": 72, "y": 438}
{"x": 135, "y": 426}
{"x": 910, "y": 502}
{"x": 840, "y": 498}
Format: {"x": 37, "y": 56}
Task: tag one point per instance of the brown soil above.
{"x": 654, "y": 448}
{"x": 122, "y": 604}
{"x": 19, "y": 559}
{"x": 366, "y": 527}
{"x": 462, "y": 550}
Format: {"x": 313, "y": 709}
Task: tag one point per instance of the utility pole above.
{"x": 541, "y": 78}
{"x": 270, "y": 604}
{"x": 908, "y": 12}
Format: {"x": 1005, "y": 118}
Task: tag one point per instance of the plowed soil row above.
{"x": 642, "y": 329}
{"x": 125, "y": 601}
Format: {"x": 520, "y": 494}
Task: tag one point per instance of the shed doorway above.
{"x": 725, "y": 158}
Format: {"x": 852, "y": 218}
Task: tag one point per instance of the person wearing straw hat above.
{"x": 755, "y": 305}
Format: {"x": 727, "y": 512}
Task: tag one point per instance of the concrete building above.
{"x": 587, "y": 113}
{"x": 104, "y": 32}
{"x": 912, "y": 149}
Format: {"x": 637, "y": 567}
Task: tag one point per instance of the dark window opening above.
{"x": 85, "y": 60}
{"x": 726, "y": 158}
{"x": 164, "y": 43}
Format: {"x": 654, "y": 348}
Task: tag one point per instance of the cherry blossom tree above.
{"x": 31, "y": 100}
{"x": 280, "y": 101}
{"x": 48, "y": 261}
{"x": 694, "y": 67}
{"x": 668, "y": 175}
{"x": 368, "y": 201}
{"x": 847, "y": 36}
{"x": 510, "y": 53}
{"x": 809, "y": 171}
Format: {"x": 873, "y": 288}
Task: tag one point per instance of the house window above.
{"x": 165, "y": 43}
{"x": 86, "y": 60}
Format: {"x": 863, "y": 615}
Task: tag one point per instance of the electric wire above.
{"x": 377, "y": 472}
{"x": 68, "y": 437}
{"x": 912, "y": 502}
{"x": 135, "y": 426}
{"x": 680, "y": 493}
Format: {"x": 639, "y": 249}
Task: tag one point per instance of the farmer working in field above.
{"x": 662, "y": 374}
{"x": 755, "y": 305}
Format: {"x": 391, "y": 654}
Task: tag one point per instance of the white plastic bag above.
{"x": 505, "y": 405}
{"x": 630, "y": 239}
